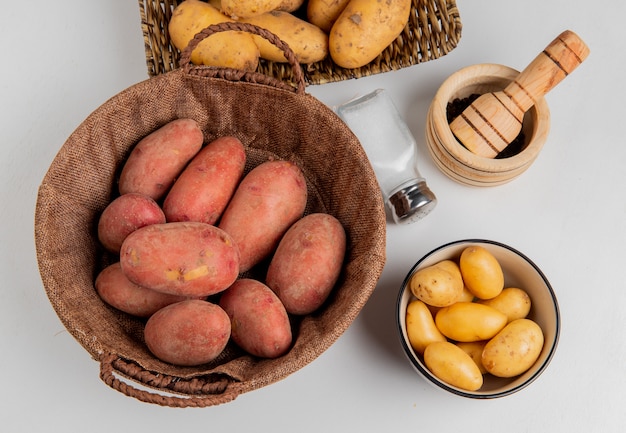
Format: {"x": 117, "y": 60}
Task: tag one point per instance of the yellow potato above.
{"x": 481, "y": 272}
{"x": 237, "y": 9}
{"x": 466, "y": 296}
{"x": 436, "y": 286}
{"x": 451, "y": 267}
{"x": 226, "y": 49}
{"x": 308, "y": 42}
{"x": 365, "y": 28}
{"x": 420, "y": 326}
{"x": 290, "y": 5}
{"x": 513, "y": 302}
{"x": 285, "y": 5}
{"x": 514, "y": 349}
{"x": 324, "y": 13}
{"x": 475, "y": 350}
{"x": 469, "y": 321}
{"x": 453, "y": 366}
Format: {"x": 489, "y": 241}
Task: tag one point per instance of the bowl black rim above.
{"x": 426, "y": 374}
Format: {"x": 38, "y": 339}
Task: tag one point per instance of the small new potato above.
{"x": 452, "y": 365}
{"x": 308, "y": 42}
{"x": 512, "y": 301}
{"x": 259, "y": 322}
{"x": 124, "y": 215}
{"x": 420, "y": 326}
{"x": 307, "y": 262}
{"x": 181, "y": 258}
{"x": 453, "y": 269}
{"x": 469, "y": 321}
{"x": 269, "y": 199}
{"x": 119, "y": 292}
{"x": 365, "y": 28}
{"x": 514, "y": 349}
{"x": 466, "y": 296}
{"x": 436, "y": 285}
{"x": 188, "y": 333}
{"x": 207, "y": 184}
{"x": 156, "y": 161}
{"x": 229, "y": 49}
{"x": 475, "y": 350}
{"x": 481, "y": 272}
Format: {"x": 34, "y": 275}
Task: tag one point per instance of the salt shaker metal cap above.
{"x": 412, "y": 202}
{"x": 391, "y": 149}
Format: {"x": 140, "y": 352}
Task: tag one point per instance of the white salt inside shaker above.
{"x": 391, "y": 149}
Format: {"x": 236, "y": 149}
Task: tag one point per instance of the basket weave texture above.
{"x": 81, "y": 181}
{"x": 433, "y": 30}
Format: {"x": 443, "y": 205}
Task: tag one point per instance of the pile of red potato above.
{"x": 189, "y": 223}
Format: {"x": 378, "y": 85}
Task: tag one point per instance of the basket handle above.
{"x": 240, "y": 75}
{"x": 195, "y": 392}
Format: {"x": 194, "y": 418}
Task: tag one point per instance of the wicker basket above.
{"x": 81, "y": 181}
{"x": 433, "y": 30}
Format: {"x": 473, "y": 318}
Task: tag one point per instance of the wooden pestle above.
{"x": 494, "y": 120}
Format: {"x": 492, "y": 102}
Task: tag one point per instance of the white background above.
{"x": 62, "y": 59}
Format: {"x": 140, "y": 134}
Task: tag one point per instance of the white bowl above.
{"x": 519, "y": 271}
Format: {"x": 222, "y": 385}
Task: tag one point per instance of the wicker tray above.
{"x": 433, "y": 30}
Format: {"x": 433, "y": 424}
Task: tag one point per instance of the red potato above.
{"x": 269, "y": 199}
{"x": 188, "y": 333}
{"x": 156, "y": 161}
{"x": 181, "y": 258}
{"x": 205, "y": 187}
{"x": 124, "y": 215}
{"x": 119, "y": 292}
{"x": 307, "y": 262}
{"x": 259, "y": 322}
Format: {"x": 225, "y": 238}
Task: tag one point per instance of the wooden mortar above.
{"x": 494, "y": 120}
{"x": 457, "y": 162}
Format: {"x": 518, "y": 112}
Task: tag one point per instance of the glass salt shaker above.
{"x": 391, "y": 149}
